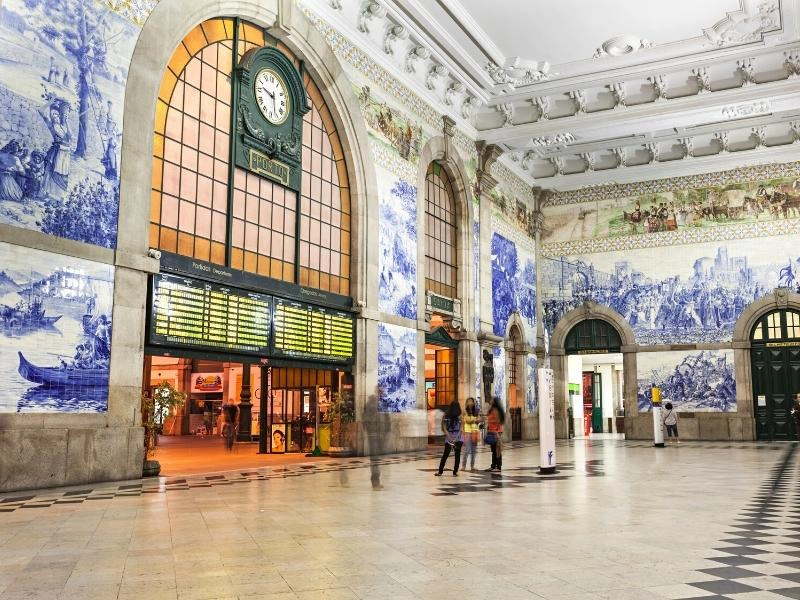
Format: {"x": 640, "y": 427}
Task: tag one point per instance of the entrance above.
{"x": 775, "y": 356}
{"x": 441, "y": 376}
{"x": 595, "y": 379}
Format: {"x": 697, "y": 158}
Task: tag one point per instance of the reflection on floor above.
{"x": 621, "y": 520}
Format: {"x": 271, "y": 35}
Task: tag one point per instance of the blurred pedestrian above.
{"x": 795, "y": 411}
{"x": 471, "y": 432}
{"x": 452, "y": 426}
{"x": 495, "y": 417}
{"x": 229, "y": 412}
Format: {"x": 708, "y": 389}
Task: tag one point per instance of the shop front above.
{"x": 231, "y": 337}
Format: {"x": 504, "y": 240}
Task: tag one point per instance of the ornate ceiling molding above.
{"x": 748, "y": 24}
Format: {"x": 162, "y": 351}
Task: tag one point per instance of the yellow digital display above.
{"x": 197, "y": 314}
{"x": 313, "y": 332}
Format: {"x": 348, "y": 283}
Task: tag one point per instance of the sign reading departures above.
{"x": 196, "y": 314}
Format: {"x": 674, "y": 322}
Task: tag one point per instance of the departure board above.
{"x": 197, "y": 314}
{"x": 312, "y": 332}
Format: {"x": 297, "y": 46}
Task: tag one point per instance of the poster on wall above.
{"x": 55, "y": 331}
{"x": 207, "y": 383}
{"x": 279, "y": 438}
{"x": 694, "y": 381}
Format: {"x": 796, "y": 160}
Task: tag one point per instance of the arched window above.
{"x": 777, "y": 325}
{"x": 440, "y": 233}
{"x": 203, "y": 207}
{"x": 593, "y": 334}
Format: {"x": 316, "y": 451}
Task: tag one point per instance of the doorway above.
{"x": 775, "y": 360}
{"x": 595, "y": 379}
{"x": 441, "y": 376}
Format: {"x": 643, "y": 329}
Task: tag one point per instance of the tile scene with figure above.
{"x": 55, "y": 326}
{"x": 397, "y": 368}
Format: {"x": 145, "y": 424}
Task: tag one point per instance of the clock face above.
{"x": 271, "y": 96}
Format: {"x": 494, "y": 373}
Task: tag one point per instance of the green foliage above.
{"x": 343, "y": 412}
{"x": 165, "y": 398}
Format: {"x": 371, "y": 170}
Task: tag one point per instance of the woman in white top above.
{"x": 670, "y": 420}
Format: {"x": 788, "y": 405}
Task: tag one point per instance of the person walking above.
{"x": 495, "y": 418}
{"x": 229, "y": 412}
{"x": 471, "y": 424}
{"x": 453, "y": 438}
{"x": 671, "y": 422}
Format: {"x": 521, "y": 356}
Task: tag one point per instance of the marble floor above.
{"x": 620, "y": 520}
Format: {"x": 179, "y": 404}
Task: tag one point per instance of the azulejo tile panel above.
{"x": 699, "y": 381}
{"x": 532, "y": 384}
{"x": 656, "y": 186}
{"x": 692, "y": 296}
{"x": 513, "y": 286}
{"x": 397, "y": 245}
{"x": 676, "y": 214}
{"x": 397, "y": 368}
{"x": 65, "y": 65}
{"x": 790, "y": 226}
{"x": 55, "y": 331}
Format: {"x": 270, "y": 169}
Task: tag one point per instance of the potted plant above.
{"x": 155, "y": 407}
{"x": 343, "y": 413}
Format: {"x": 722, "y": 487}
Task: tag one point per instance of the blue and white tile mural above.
{"x": 65, "y": 64}
{"x": 499, "y": 363}
{"x": 687, "y": 294}
{"x": 476, "y": 266}
{"x": 55, "y": 328}
{"x": 397, "y": 241}
{"x": 697, "y": 381}
{"x": 513, "y": 286}
{"x": 397, "y": 368}
{"x": 531, "y": 383}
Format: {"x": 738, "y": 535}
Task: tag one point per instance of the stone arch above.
{"x": 634, "y": 424}
{"x": 166, "y": 26}
{"x": 440, "y": 149}
{"x": 780, "y": 299}
{"x": 591, "y": 310}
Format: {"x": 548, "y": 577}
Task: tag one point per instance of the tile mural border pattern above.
{"x": 673, "y": 238}
{"x": 670, "y": 184}
{"x": 392, "y": 162}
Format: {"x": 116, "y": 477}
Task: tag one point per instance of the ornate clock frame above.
{"x": 264, "y": 148}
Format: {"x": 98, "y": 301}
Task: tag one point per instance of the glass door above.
{"x": 277, "y": 422}
{"x": 293, "y": 416}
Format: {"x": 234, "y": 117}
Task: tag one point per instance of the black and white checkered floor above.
{"x": 761, "y": 557}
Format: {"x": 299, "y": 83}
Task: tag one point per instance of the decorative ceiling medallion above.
{"x": 738, "y": 111}
{"x": 517, "y": 72}
{"x": 622, "y": 45}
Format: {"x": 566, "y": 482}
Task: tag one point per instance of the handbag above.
{"x": 491, "y": 438}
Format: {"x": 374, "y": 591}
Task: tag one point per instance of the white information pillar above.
{"x": 658, "y": 431}
{"x": 547, "y": 423}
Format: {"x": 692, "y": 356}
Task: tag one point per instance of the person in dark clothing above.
{"x": 795, "y": 411}
{"x": 495, "y": 418}
{"x": 453, "y": 436}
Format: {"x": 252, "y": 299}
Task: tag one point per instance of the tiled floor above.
{"x": 621, "y": 520}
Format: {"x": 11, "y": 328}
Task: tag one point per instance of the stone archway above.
{"x": 166, "y": 26}
{"x": 636, "y": 427}
{"x": 780, "y": 299}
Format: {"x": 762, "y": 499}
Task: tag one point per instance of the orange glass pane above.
{"x": 202, "y": 248}
{"x": 195, "y": 40}
{"x": 155, "y": 206}
{"x": 237, "y": 258}
{"x": 168, "y": 81}
{"x": 169, "y": 240}
{"x": 154, "y": 229}
{"x": 263, "y": 266}
{"x": 161, "y": 116}
{"x": 180, "y": 57}
{"x": 250, "y": 262}
{"x": 185, "y": 244}
{"x": 288, "y": 272}
{"x": 215, "y": 30}
{"x": 158, "y": 166}
{"x": 218, "y": 253}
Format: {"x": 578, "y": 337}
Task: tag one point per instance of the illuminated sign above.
{"x": 197, "y": 314}
{"x": 312, "y": 332}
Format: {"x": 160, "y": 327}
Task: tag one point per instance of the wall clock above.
{"x": 272, "y": 96}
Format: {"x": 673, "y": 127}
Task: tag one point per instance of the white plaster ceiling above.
{"x": 586, "y": 92}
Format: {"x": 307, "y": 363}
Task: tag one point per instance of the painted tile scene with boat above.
{"x": 55, "y": 332}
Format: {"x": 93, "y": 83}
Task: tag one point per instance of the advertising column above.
{"x": 547, "y": 426}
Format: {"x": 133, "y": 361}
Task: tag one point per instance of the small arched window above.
{"x": 777, "y": 325}
{"x": 440, "y": 233}
{"x": 593, "y": 334}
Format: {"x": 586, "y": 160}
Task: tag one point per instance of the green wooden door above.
{"x": 597, "y": 403}
{"x": 776, "y": 378}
